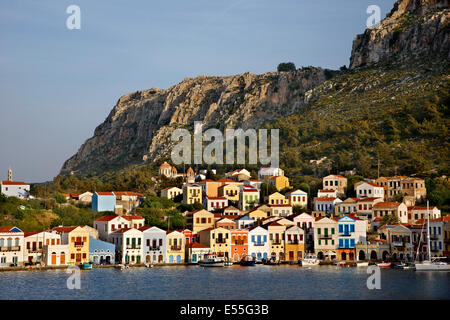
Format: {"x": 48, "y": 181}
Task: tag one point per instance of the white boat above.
{"x": 228, "y": 263}
{"x": 122, "y": 266}
{"x": 384, "y": 264}
{"x": 430, "y": 265}
{"x": 362, "y": 264}
{"x": 212, "y": 261}
{"x": 310, "y": 260}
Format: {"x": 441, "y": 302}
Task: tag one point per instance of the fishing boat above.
{"x": 122, "y": 266}
{"x": 434, "y": 264}
{"x": 86, "y": 266}
{"x": 404, "y": 266}
{"x": 247, "y": 261}
{"x": 228, "y": 263}
{"x": 212, "y": 260}
{"x": 384, "y": 265}
{"x": 270, "y": 262}
{"x": 310, "y": 260}
{"x": 362, "y": 264}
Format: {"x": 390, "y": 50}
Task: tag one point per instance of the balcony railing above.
{"x": 259, "y": 244}
{"x": 221, "y": 241}
{"x": 79, "y": 244}
{"x": 133, "y": 247}
{"x": 175, "y": 248}
{"x": 154, "y": 248}
{"x": 345, "y": 234}
{"x": 434, "y": 237}
{"x": 237, "y": 242}
{"x": 324, "y": 236}
{"x": 434, "y": 250}
{"x": 293, "y": 242}
{"x": 276, "y": 242}
{"x": 10, "y": 248}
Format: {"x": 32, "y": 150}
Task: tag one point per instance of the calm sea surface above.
{"x": 193, "y": 282}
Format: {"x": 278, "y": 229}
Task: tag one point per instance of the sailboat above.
{"x": 431, "y": 264}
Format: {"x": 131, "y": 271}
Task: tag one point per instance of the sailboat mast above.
{"x": 428, "y": 232}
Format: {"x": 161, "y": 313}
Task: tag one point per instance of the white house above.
{"x": 258, "y": 244}
{"x": 107, "y": 224}
{"x": 34, "y": 243}
{"x": 248, "y": 197}
{"x": 16, "y": 189}
{"x": 280, "y": 210}
{"x": 215, "y": 203}
{"x": 171, "y": 192}
{"x": 11, "y": 246}
{"x": 298, "y": 198}
{"x": 254, "y": 183}
{"x": 55, "y": 255}
{"x": 266, "y": 173}
{"x": 306, "y": 222}
{"x": 128, "y": 243}
{"x": 325, "y": 204}
{"x": 155, "y": 247}
{"x": 368, "y": 189}
{"x": 327, "y": 193}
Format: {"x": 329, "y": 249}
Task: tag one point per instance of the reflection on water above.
{"x": 259, "y": 282}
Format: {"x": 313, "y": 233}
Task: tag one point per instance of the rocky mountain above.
{"x": 139, "y": 126}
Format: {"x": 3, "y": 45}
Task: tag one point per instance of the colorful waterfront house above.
{"x": 128, "y": 242}
{"x": 16, "y": 189}
{"x": 108, "y": 224}
{"x": 101, "y": 252}
{"x": 436, "y": 231}
{"x": 325, "y": 204}
{"x": 348, "y": 206}
{"x": 175, "y": 246}
{"x": 248, "y": 197}
{"x": 298, "y": 198}
{"x": 366, "y": 189}
{"x": 326, "y": 238}
{"x": 55, "y": 255}
{"x": 294, "y": 243}
{"x": 306, "y": 222}
{"x": 226, "y": 224}
{"x": 399, "y": 237}
{"x": 218, "y": 240}
{"x": 258, "y": 243}
{"x": 215, "y": 204}
{"x": 446, "y": 223}
{"x": 336, "y": 182}
{"x": 239, "y": 244}
{"x": 78, "y": 241}
{"x": 189, "y": 237}
{"x": 195, "y": 252}
{"x": 365, "y": 206}
{"x": 258, "y": 215}
{"x": 373, "y": 250}
{"x": 276, "y": 240}
{"x": 232, "y": 211}
{"x": 280, "y": 210}
{"x": 329, "y": 193}
{"x": 419, "y": 240}
{"x": 416, "y": 213}
{"x": 11, "y": 246}
{"x": 244, "y": 222}
{"x": 104, "y": 201}
{"x": 279, "y": 182}
{"x": 351, "y": 230}
{"x": 384, "y": 209}
{"x": 199, "y": 220}
{"x": 192, "y": 193}
{"x": 171, "y": 192}
{"x": 34, "y": 243}
{"x": 210, "y": 188}
{"x": 229, "y": 191}
{"x": 277, "y": 198}
{"x": 154, "y": 245}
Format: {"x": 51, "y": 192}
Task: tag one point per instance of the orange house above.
{"x": 239, "y": 244}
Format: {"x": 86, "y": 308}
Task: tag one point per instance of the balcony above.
{"x": 293, "y": 242}
{"x": 130, "y": 247}
{"x": 276, "y": 242}
{"x": 78, "y": 244}
{"x": 239, "y": 243}
{"x": 221, "y": 241}
{"x": 10, "y": 249}
{"x": 434, "y": 250}
{"x": 434, "y": 237}
{"x": 154, "y": 248}
{"x": 175, "y": 248}
{"x": 324, "y": 236}
{"x": 345, "y": 234}
{"x": 259, "y": 244}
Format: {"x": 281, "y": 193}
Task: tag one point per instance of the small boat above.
{"x": 310, "y": 260}
{"x": 86, "y": 266}
{"x": 404, "y": 266}
{"x": 434, "y": 265}
{"x": 362, "y": 264}
{"x": 228, "y": 263}
{"x": 384, "y": 265}
{"x": 122, "y": 266}
{"x": 270, "y": 262}
{"x": 247, "y": 261}
{"x": 212, "y": 260}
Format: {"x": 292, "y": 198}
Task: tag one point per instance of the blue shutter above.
{"x": 340, "y": 228}
{"x": 253, "y": 238}
{"x": 352, "y": 243}
{"x": 346, "y": 243}
{"x": 341, "y": 243}
{"x": 352, "y": 228}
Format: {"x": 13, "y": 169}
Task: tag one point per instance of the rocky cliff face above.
{"x": 414, "y": 28}
{"x": 139, "y": 127}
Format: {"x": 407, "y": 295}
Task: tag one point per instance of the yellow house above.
{"x": 258, "y": 215}
{"x": 210, "y": 188}
{"x": 199, "y": 220}
{"x": 229, "y": 191}
{"x": 78, "y": 240}
{"x": 278, "y": 198}
{"x": 280, "y": 182}
{"x": 218, "y": 240}
{"x": 175, "y": 246}
{"x": 276, "y": 240}
{"x": 294, "y": 239}
{"x": 192, "y": 193}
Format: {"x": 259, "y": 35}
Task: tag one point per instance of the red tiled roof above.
{"x": 129, "y": 218}
{"x": 28, "y": 234}
{"x": 14, "y": 183}
{"x": 387, "y": 204}
{"x": 194, "y": 245}
{"x": 275, "y": 224}
{"x": 420, "y": 208}
{"x": 106, "y": 218}
{"x": 122, "y": 230}
{"x": 6, "y": 229}
{"x": 225, "y": 180}
{"x": 105, "y": 193}
{"x": 64, "y": 229}
{"x": 279, "y": 205}
{"x": 145, "y": 228}
{"x": 324, "y": 199}
{"x": 216, "y": 198}
{"x": 368, "y": 199}
{"x": 327, "y": 191}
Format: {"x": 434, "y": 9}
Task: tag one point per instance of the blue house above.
{"x": 244, "y": 222}
{"x": 101, "y": 252}
{"x": 103, "y": 201}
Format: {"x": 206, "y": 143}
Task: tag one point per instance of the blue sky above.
{"x": 57, "y": 85}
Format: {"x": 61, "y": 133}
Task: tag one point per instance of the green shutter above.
{"x": 318, "y": 230}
